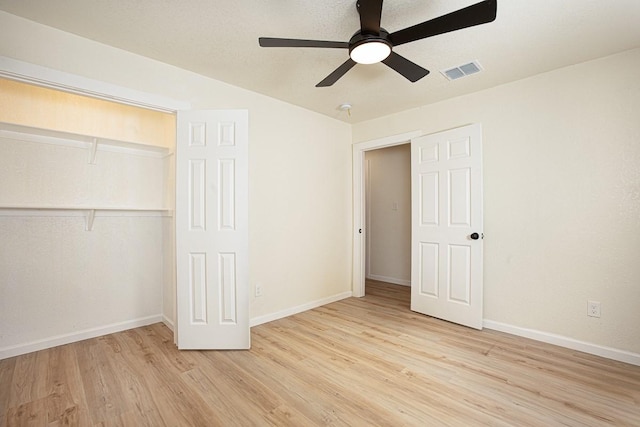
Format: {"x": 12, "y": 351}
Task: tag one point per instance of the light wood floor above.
{"x": 357, "y": 362}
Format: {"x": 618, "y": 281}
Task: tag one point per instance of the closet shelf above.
{"x": 92, "y": 143}
{"x": 82, "y": 208}
{"x": 88, "y": 212}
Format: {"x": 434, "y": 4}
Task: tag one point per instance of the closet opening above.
{"x": 86, "y": 215}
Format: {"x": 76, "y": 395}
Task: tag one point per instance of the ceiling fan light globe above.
{"x": 370, "y": 52}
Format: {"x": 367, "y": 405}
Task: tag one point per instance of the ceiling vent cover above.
{"x": 461, "y": 71}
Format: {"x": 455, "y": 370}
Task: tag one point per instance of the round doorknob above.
{"x": 474, "y": 236}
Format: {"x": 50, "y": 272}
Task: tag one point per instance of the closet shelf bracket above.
{"x": 93, "y": 149}
{"x": 91, "y": 215}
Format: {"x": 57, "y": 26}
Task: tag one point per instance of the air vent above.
{"x": 461, "y": 71}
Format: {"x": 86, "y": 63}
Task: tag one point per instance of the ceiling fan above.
{"x": 372, "y": 43}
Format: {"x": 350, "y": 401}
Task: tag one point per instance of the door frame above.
{"x": 359, "y": 205}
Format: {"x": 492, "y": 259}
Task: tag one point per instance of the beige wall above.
{"x": 561, "y": 195}
{"x": 40, "y": 107}
{"x": 299, "y": 162}
{"x": 388, "y": 210}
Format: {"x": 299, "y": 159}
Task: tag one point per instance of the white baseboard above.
{"x": 168, "y": 322}
{"x": 393, "y": 280}
{"x": 299, "y": 309}
{"x": 562, "y": 341}
{"x": 17, "y": 350}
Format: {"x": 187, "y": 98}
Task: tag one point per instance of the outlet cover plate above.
{"x": 593, "y": 308}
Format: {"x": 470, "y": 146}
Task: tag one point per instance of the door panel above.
{"x": 212, "y": 230}
{"x": 429, "y": 269}
{"x": 446, "y": 277}
{"x": 459, "y": 283}
{"x": 459, "y": 198}
{"x": 429, "y": 213}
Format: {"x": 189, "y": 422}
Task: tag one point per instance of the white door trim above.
{"x": 14, "y": 69}
{"x": 359, "y": 241}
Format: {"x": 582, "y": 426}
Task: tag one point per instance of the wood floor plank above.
{"x": 100, "y": 382}
{"x": 284, "y": 415}
{"x": 61, "y": 407}
{"x": 71, "y": 376}
{"x": 359, "y": 361}
{"x": 177, "y": 402}
{"x": 269, "y": 364}
{"x": 32, "y": 413}
{"x": 28, "y": 382}
{"x": 135, "y": 386}
{"x": 7, "y": 367}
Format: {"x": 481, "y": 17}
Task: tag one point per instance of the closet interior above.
{"x": 86, "y": 217}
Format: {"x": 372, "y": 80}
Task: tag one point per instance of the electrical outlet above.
{"x": 258, "y": 289}
{"x": 593, "y": 308}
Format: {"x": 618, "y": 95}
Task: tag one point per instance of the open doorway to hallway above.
{"x": 388, "y": 216}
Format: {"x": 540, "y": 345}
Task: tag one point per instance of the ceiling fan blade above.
{"x": 479, "y": 13}
{"x": 370, "y": 14}
{"x": 339, "y": 72}
{"x": 410, "y": 70}
{"x": 275, "y": 42}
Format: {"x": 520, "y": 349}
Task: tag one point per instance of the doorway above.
{"x": 388, "y": 215}
{"x": 359, "y": 202}
{"x": 446, "y": 222}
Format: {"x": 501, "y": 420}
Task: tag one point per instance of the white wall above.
{"x": 561, "y": 196}
{"x": 300, "y": 167}
{"x": 388, "y": 229}
{"x": 73, "y": 281}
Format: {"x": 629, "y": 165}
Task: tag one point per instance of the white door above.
{"x": 446, "y": 235}
{"x": 212, "y": 230}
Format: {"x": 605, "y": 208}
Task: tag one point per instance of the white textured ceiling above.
{"x": 219, "y": 39}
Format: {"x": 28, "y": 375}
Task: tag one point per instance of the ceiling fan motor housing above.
{"x": 360, "y": 38}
